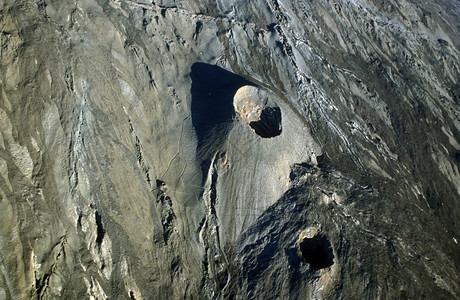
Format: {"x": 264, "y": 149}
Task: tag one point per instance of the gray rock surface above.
{"x": 126, "y": 172}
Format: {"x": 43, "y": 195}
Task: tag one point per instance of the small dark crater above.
{"x": 100, "y": 228}
{"x": 317, "y": 251}
{"x": 269, "y": 124}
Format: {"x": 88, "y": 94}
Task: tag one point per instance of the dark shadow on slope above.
{"x": 212, "y": 109}
{"x": 212, "y": 93}
{"x": 269, "y": 124}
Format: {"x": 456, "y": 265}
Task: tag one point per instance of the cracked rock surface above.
{"x": 229, "y": 149}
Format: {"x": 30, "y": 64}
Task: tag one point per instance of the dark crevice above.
{"x": 165, "y": 209}
{"x": 41, "y": 285}
{"x": 443, "y": 42}
{"x": 100, "y": 228}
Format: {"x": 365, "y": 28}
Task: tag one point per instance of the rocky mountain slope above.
{"x": 229, "y": 149}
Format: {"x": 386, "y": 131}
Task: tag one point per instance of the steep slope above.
{"x": 229, "y": 149}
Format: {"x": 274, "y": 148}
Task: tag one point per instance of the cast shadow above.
{"x": 212, "y": 93}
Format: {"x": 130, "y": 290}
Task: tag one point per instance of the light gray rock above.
{"x": 229, "y": 149}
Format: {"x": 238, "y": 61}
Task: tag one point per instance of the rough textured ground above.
{"x": 127, "y": 174}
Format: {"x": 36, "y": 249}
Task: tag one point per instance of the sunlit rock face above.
{"x": 229, "y": 149}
